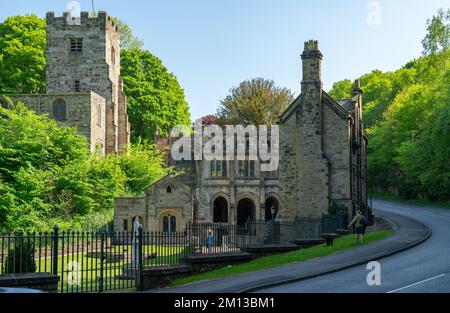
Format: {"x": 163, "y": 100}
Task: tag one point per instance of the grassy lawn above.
{"x": 86, "y": 270}
{"x": 340, "y": 244}
{"x": 388, "y": 196}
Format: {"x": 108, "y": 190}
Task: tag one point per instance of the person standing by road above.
{"x": 360, "y": 226}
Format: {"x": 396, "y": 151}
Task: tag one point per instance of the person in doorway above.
{"x": 360, "y": 226}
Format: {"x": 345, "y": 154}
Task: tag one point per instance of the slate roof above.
{"x": 346, "y": 104}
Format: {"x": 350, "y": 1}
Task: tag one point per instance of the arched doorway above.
{"x": 271, "y": 204}
{"x": 245, "y": 210}
{"x": 220, "y": 210}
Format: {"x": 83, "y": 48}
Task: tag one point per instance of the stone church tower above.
{"x": 86, "y": 57}
{"x": 84, "y": 86}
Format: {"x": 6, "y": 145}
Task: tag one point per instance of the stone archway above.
{"x": 245, "y": 211}
{"x": 270, "y": 203}
{"x": 220, "y": 210}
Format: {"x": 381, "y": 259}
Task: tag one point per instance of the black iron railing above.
{"x": 308, "y": 228}
{"x": 102, "y": 261}
{"x": 216, "y": 238}
{"x": 90, "y": 261}
{"x": 270, "y": 232}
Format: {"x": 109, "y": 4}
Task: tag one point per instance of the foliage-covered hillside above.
{"x": 407, "y": 119}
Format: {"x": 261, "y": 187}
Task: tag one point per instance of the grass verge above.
{"x": 388, "y": 196}
{"x": 340, "y": 244}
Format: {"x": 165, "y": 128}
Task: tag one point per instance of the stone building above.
{"x": 207, "y": 191}
{"x": 84, "y": 86}
{"x": 322, "y": 161}
{"x": 322, "y": 147}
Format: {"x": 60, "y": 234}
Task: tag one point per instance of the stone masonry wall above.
{"x": 81, "y": 112}
{"x": 159, "y": 202}
{"x": 125, "y": 209}
{"x": 336, "y": 143}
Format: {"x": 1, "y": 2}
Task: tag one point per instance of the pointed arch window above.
{"x": 169, "y": 224}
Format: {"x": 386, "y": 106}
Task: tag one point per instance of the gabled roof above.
{"x": 166, "y": 180}
{"x": 346, "y": 104}
{"x": 341, "y": 107}
{"x": 285, "y": 115}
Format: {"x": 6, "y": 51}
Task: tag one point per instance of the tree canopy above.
{"x": 155, "y": 99}
{"x": 438, "y": 33}
{"x": 22, "y": 54}
{"x": 254, "y": 102}
{"x": 48, "y": 175}
{"x": 406, "y": 118}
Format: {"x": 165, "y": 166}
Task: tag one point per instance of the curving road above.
{"x": 424, "y": 268}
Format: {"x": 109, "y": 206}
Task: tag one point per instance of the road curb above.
{"x": 357, "y": 263}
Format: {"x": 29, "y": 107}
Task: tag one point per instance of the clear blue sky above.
{"x": 212, "y": 45}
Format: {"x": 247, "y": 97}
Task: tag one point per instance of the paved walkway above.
{"x": 408, "y": 233}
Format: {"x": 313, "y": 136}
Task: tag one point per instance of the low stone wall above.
{"x": 41, "y": 281}
{"x": 160, "y": 276}
{"x": 260, "y": 251}
{"x": 204, "y": 263}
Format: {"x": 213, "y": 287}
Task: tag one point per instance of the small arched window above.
{"x": 169, "y": 189}
{"x": 59, "y": 110}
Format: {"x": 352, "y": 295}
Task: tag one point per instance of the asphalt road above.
{"x": 424, "y": 268}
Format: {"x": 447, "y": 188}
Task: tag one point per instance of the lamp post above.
{"x": 272, "y": 211}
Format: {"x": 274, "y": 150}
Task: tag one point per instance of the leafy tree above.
{"x": 208, "y": 119}
{"x": 255, "y": 102}
{"x": 342, "y": 89}
{"x": 144, "y": 167}
{"x": 22, "y": 54}
{"x": 406, "y": 116}
{"x": 155, "y": 99}
{"x": 48, "y": 175}
{"x": 438, "y": 33}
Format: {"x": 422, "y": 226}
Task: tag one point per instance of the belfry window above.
{"x": 76, "y": 85}
{"x": 76, "y": 44}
